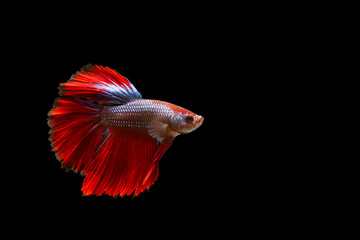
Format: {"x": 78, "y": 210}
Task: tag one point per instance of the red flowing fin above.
{"x": 120, "y": 164}
{"x": 75, "y": 132}
{"x": 153, "y": 171}
{"x": 100, "y": 84}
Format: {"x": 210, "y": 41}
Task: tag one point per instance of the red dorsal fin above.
{"x": 100, "y": 84}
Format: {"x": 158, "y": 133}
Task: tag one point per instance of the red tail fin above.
{"x": 75, "y": 131}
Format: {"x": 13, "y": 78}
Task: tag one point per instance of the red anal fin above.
{"x": 120, "y": 164}
{"x": 153, "y": 171}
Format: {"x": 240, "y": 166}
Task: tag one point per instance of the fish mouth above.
{"x": 199, "y": 120}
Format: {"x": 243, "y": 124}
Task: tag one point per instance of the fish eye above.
{"x": 189, "y": 119}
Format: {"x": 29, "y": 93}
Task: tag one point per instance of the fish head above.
{"x": 185, "y": 122}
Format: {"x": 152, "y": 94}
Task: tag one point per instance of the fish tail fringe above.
{"x": 76, "y": 131}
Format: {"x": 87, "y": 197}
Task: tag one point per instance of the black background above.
{"x": 231, "y": 75}
{"x": 250, "y": 72}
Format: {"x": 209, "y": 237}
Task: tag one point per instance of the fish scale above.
{"x": 137, "y": 114}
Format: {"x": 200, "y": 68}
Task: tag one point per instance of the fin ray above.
{"x": 158, "y": 130}
{"x": 75, "y": 131}
{"x": 153, "y": 171}
{"x": 121, "y": 164}
{"x": 100, "y": 84}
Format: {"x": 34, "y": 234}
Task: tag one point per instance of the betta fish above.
{"x": 103, "y": 129}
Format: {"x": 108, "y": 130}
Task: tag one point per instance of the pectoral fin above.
{"x": 158, "y": 130}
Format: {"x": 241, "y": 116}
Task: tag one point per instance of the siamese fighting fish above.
{"x": 102, "y": 128}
